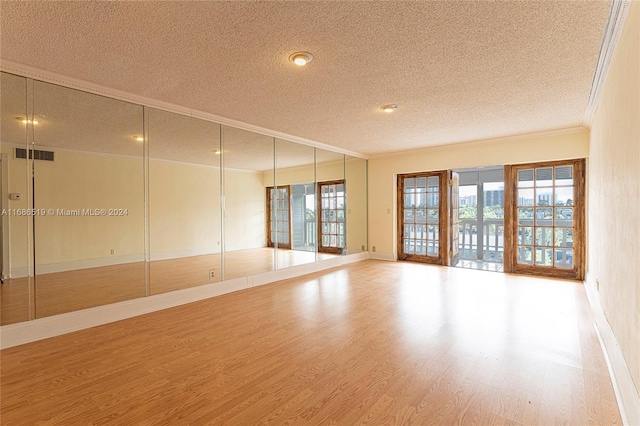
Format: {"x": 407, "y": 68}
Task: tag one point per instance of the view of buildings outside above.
{"x": 493, "y": 214}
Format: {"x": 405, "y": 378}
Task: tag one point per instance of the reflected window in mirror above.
{"x": 248, "y": 169}
{"x": 295, "y": 206}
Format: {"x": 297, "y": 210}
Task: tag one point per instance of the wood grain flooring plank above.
{"x": 376, "y": 343}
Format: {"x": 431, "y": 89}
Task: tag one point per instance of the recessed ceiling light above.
{"x": 27, "y": 121}
{"x": 389, "y": 108}
{"x": 139, "y": 138}
{"x": 217, "y": 151}
{"x": 301, "y": 58}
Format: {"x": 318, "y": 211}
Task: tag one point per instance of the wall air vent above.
{"x": 34, "y": 154}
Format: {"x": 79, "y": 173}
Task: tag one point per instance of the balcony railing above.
{"x": 491, "y": 236}
{"x": 310, "y": 232}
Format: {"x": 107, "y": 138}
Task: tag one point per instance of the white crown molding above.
{"x": 479, "y": 142}
{"x": 28, "y": 71}
{"x": 615, "y": 24}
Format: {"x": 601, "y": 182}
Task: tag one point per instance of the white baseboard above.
{"x": 382, "y": 256}
{"x": 110, "y": 261}
{"x": 51, "y": 268}
{"x": 166, "y": 255}
{"x": 235, "y": 247}
{"x": 296, "y": 271}
{"x": 19, "y": 272}
{"x": 627, "y": 395}
{"x": 31, "y": 331}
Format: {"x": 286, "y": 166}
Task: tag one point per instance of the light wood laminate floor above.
{"x": 371, "y": 343}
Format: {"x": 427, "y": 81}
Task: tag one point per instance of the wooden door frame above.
{"x": 321, "y": 248}
{"x": 443, "y": 218}
{"x": 271, "y": 243}
{"x": 453, "y": 217}
{"x": 511, "y": 221}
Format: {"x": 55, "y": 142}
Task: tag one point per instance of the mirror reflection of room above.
{"x": 89, "y": 243}
{"x": 187, "y": 202}
{"x": 185, "y": 235}
{"x": 248, "y": 164}
{"x": 16, "y": 288}
{"x": 292, "y": 205}
{"x": 332, "y": 234}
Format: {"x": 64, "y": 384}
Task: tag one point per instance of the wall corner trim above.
{"x": 613, "y": 29}
{"x": 625, "y": 390}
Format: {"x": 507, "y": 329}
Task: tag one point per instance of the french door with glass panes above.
{"x": 331, "y": 208}
{"x": 279, "y": 218}
{"x": 546, "y": 218}
{"x": 423, "y": 217}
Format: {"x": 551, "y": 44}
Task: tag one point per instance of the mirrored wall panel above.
{"x": 105, "y": 201}
{"x": 331, "y": 206}
{"x": 248, "y": 169}
{"x": 88, "y": 193}
{"x": 356, "y": 187}
{"x": 16, "y": 290}
{"x": 185, "y": 231}
{"x": 292, "y": 217}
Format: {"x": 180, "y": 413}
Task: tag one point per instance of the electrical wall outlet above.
{"x": 373, "y": 248}
{"x": 598, "y": 285}
{"x": 113, "y": 251}
{"x": 362, "y": 247}
{"x": 212, "y": 274}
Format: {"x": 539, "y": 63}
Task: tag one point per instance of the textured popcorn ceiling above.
{"x": 458, "y": 70}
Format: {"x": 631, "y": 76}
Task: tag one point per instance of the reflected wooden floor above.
{"x": 370, "y": 343}
{"x": 57, "y": 293}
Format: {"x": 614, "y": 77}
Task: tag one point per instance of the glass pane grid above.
{"x": 421, "y": 212}
{"x": 545, "y": 216}
{"x": 332, "y": 218}
{"x": 279, "y": 214}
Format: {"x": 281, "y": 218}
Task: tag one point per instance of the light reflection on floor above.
{"x": 480, "y": 265}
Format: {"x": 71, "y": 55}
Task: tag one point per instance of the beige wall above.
{"x": 245, "y": 210}
{"x": 184, "y": 210}
{"x": 356, "y": 182}
{"x": 77, "y": 181}
{"x": 291, "y": 175}
{"x": 614, "y": 195}
{"x": 333, "y": 170}
{"x": 383, "y": 172}
{"x": 85, "y": 181}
